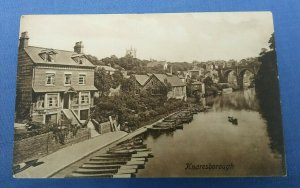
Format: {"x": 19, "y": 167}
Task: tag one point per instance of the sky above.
{"x": 174, "y": 37}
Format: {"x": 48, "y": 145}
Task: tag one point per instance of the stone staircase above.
{"x": 71, "y": 116}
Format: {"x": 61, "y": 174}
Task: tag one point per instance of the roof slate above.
{"x": 62, "y": 57}
{"x": 173, "y": 80}
{"x": 141, "y": 79}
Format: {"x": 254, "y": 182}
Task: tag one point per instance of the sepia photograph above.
{"x": 159, "y": 95}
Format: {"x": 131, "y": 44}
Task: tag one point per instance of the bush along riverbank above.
{"x": 134, "y": 111}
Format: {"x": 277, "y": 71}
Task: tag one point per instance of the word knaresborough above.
{"x": 209, "y": 166}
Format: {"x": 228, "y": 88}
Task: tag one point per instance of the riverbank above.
{"x": 57, "y": 161}
{"x": 71, "y": 168}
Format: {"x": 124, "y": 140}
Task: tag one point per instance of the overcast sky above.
{"x": 171, "y": 37}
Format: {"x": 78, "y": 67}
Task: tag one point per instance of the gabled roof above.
{"x": 62, "y": 57}
{"x": 141, "y": 79}
{"x": 173, "y": 80}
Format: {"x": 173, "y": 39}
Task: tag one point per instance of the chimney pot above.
{"x": 78, "y": 48}
{"x": 24, "y": 40}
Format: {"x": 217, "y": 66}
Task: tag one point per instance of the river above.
{"x": 210, "y": 140}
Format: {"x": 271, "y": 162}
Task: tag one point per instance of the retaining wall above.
{"x": 41, "y": 145}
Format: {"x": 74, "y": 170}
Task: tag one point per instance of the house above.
{"x": 178, "y": 88}
{"x": 108, "y": 69}
{"x": 140, "y": 81}
{"x": 196, "y": 72}
{"x": 153, "y": 83}
{"x": 53, "y": 85}
{"x": 182, "y": 78}
{"x": 198, "y": 87}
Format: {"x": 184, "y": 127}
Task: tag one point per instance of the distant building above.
{"x": 196, "y": 86}
{"x": 182, "y": 78}
{"x": 195, "y": 73}
{"x": 140, "y": 81}
{"x": 54, "y": 84}
{"x": 153, "y": 82}
{"x": 108, "y": 69}
{"x": 178, "y": 88}
{"x": 131, "y": 52}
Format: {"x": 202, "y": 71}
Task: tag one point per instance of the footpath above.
{"x": 67, "y": 156}
{"x": 58, "y": 160}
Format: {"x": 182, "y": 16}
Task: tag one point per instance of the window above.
{"x": 85, "y": 96}
{"x": 78, "y": 59}
{"x": 75, "y": 98}
{"x": 67, "y": 79}
{"x": 40, "y": 102}
{"x": 48, "y": 56}
{"x": 82, "y": 79}
{"x": 154, "y": 92}
{"x": 52, "y": 100}
{"x": 50, "y": 78}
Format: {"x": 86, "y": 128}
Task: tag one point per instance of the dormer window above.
{"x": 48, "y": 55}
{"x": 49, "y": 58}
{"x": 79, "y": 58}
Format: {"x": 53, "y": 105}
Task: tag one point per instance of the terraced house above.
{"x": 152, "y": 83}
{"x": 53, "y": 84}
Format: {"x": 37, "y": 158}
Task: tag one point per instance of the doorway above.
{"x": 66, "y": 100}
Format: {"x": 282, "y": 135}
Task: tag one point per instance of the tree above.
{"x": 208, "y": 81}
{"x": 267, "y": 90}
{"x": 189, "y": 87}
{"x": 117, "y": 79}
{"x": 128, "y": 85}
{"x": 103, "y": 82}
{"x": 94, "y": 60}
{"x": 272, "y": 42}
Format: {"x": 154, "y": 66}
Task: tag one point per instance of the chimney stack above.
{"x": 23, "y": 40}
{"x": 78, "y": 48}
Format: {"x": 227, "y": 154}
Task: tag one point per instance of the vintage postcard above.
{"x": 148, "y": 95}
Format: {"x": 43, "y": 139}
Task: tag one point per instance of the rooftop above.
{"x": 141, "y": 79}
{"x": 172, "y": 79}
{"x": 62, "y": 57}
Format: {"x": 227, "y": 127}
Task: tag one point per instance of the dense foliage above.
{"x": 267, "y": 90}
{"x": 131, "y": 110}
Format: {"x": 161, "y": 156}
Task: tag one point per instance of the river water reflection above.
{"x": 211, "y": 140}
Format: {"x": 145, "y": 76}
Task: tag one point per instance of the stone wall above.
{"x": 41, "y": 145}
{"x": 105, "y": 127}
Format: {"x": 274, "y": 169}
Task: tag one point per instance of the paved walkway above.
{"x": 68, "y": 155}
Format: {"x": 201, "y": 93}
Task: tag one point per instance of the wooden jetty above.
{"x": 93, "y": 166}
{"x": 120, "y": 161}
{"x": 125, "y": 158}
{"x": 117, "y": 175}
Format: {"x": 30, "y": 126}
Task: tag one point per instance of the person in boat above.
{"x": 233, "y": 120}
